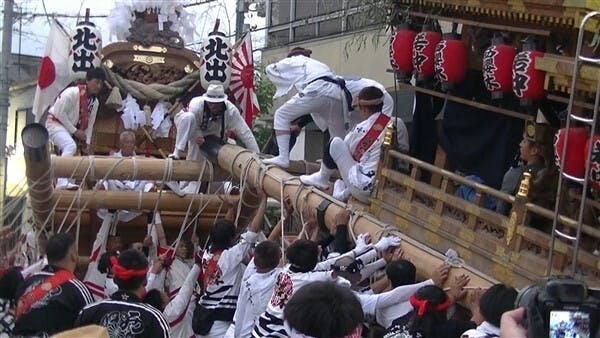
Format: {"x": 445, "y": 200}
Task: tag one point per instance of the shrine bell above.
{"x": 575, "y": 154}
{"x": 497, "y": 68}
{"x": 450, "y": 61}
{"x": 401, "y": 52}
{"x": 528, "y": 82}
{"x": 423, "y": 53}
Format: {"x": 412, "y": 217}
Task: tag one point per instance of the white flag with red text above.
{"x": 53, "y": 75}
{"x": 242, "y": 79}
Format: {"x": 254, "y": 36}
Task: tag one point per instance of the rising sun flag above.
{"x": 242, "y": 79}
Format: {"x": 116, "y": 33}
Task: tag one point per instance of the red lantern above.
{"x": 575, "y": 155}
{"x": 450, "y": 61}
{"x": 594, "y": 178}
{"x": 528, "y": 82}
{"x": 497, "y": 68}
{"x": 401, "y": 52}
{"x": 424, "y": 52}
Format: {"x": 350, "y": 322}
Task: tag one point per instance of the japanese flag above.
{"x": 53, "y": 73}
{"x": 242, "y": 79}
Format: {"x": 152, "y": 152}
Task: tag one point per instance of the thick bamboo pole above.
{"x": 99, "y": 167}
{"x": 133, "y": 200}
{"x": 143, "y": 168}
{"x": 235, "y": 159}
{"x": 39, "y": 177}
{"x": 171, "y": 220}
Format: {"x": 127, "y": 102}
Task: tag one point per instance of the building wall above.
{"x": 343, "y": 59}
{"x": 19, "y": 115}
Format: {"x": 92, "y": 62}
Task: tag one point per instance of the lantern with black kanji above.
{"x": 594, "y": 178}
{"x": 450, "y": 61}
{"x": 86, "y": 49}
{"x": 497, "y": 68}
{"x": 401, "y": 52}
{"x": 575, "y": 154}
{"x": 528, "y": 82}
{"x": 423, "y": 54}
{"x": 216, "y": 56}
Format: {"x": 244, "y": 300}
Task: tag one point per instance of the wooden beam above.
{"x": 471, "y": 103}
{"x": 132, "y": 200}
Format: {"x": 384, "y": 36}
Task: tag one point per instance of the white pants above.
{"x": 67, "y": 147}
{"x": 348, "y": 169}
{"x": 185, "y": 122}
{"x": 327, "y": 113}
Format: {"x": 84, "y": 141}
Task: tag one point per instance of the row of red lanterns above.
{"x": 577, "y": 150}
{"x": 427, "y": 54}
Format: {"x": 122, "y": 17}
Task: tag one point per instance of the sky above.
{"x": 31, "y": 31}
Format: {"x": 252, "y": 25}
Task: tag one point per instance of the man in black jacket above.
{"x": 124, "y": 314}
{"x": 49, "y": 301}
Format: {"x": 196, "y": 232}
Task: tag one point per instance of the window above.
{"x": 280, "y": 12}
{"x": 328, "y": 6}
{"x": 330, "y": 27}
{"x": 305, "y": 32}
{"x": 305, "y": 9}
{"x": 279, "y": 38}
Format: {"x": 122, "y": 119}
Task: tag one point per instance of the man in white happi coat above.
{"x": 209, "y": 114}
{"x": 126, "y": 149}
{"x": 320, "y": 93}
{"x": 73, "y": 115}
{"x": 355, "y": 84}
{"x": 357, "y": 155}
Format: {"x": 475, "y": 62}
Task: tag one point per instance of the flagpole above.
{"x": 4, "y": 85}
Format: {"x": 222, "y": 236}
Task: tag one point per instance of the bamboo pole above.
{"x": 133, "y": 200}
{"x": 130, "y": 169}
{"x": 235, "y": 159}
{"x": 144, "y": 168}
{"x": 39, "y": 178}
{"x": 170, "y": 220}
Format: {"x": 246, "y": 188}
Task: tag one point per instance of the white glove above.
{"x": 386, "y": 242}
{"x": 362, "y": 241}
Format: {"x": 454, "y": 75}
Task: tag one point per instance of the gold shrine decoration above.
{"x": 148, "y": 59}
{"x": 152, "y": 49}
{"x": 514, "y": 218}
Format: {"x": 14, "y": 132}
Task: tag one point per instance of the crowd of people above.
{"x": 242, "y": 283}
{"x": 245, "y": 285}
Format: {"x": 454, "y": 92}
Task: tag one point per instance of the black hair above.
{"x": 154, "y": 298}
{"x": 401, "y": 272}
{"x": 303, "y": 255}
{"x": 495, "y": 301}
{"x": 427, "y": 324}
{"x": 95, "y": 73}
{"x": 58, "y": 247}
{"x": 104, "y": 261}
{"x": 371, "y": 93}
{"x": 9, "y": 283}
{"x": 222, "y": 235}
{"x": 267, "y": 255}
{"x": 324, "y": 309}
{"x": 134, "y": 260}
{"x": 299, "y": 51}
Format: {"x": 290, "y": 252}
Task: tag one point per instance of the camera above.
{"x": 559, "y": 307}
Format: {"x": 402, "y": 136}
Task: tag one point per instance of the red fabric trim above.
{"x": 422, "y": 308}
{"x": 181, "y": 316}
{"x": 84, "y": 113}
{"x": 41, "y": 290}
{"x": 371, "y": 136}
{"x": 123, "y": 273}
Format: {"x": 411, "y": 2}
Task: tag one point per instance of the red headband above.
{"x": 421, "y": 305}
{"x": 123, "y": 273}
